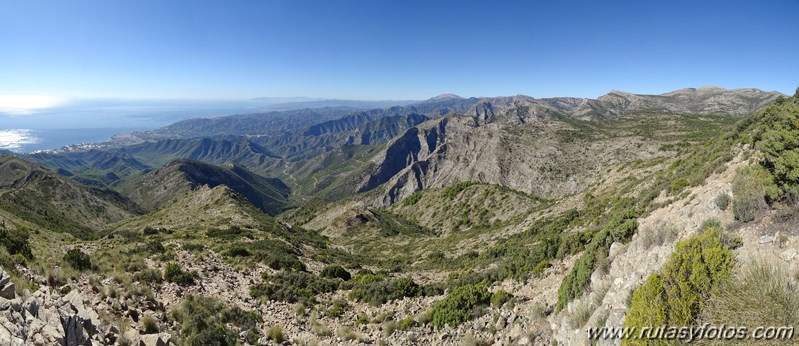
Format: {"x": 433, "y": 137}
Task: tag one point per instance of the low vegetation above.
{"x": 292, "y": 287}
{"x": 762, "y": 292}
{"x": 677, "y": 296}
{"x": 206, "y": 321}
{"x": 461, "y": 305}
{"x": 173, "y": 272}
{"x": 77, "y": 259}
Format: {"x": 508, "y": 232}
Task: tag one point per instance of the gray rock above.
{"x": 154, "y": 339}
{"x": 500, "y": 324}
{"x": 788, "y": 254}
{"x": 8, "y": 291}
{"x": 766, "y": 239}
{"x": 31, "y": 305}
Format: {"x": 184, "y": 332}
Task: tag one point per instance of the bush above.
{"x": 16, "y": 242}
{"x": 406, "y": 323}
{"x": 78, "y": 259}
{"x": 383, "y": 291}
{"x": 499, "y": 298}
{"x": 412, "y": 199}
{"x": 150, "y": 325}
{"x": 149, "y": 276}
{"x": 777, "y": 137}
{"x": 677, "y": 296}
{"x": 237, "y": 251}
{"x": 337, "y": 308}
{"x": 749, "y": 188}
{"x": 292, "y": 287}
{"x": 174, "y": 273}
{"x": 540, "y": 267}
{"x": 202, "y": 320}
{"x": 723, "y": 201}
{"x": 216, "y": 334}
{"x": 335, "y": 272}
{"x": 277, "y": 255}
{"x": 460, "y": 305}
{"x": 150, "y": 231}
{"x": 275, "y": 333}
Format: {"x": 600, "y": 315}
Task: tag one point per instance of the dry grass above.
{"x": 761, "y": 293}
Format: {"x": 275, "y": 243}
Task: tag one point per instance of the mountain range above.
{"x": 508, "y": 220}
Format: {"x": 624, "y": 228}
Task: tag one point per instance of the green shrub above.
{"x": 407, "y": 323}
{"x": 365, "y": 277}
{"x": 78, "y": 259}
{"x": 149, "y": 276}
{"x": 277, "y": 255}
{"x": 150, "y": 325}
{"x": 540, "y": 267}
{"x": 385, "y": 290}
{"x": 392, "y": 224}
{"x": 412, "y": 199}
{"x": 275, "y": 333}
{"x": 293, "y": 287}
{"x": 216, "y": 334}
{"x": 149, "y": 230}
{"x": 16, "y": 242}
{"x": 202, "y": 321}
{"x": 232, "y": 233}
{"x": 460, "y": 305}
{"x": 174, "y": 273}
{"x": 723, "y": 201}
{"x": 677, "y": 296}
{"x": 362, "y": 319}
{"x": 777, "y": 137}
{"x": 499, "y": 298}
{"x": 237, "y": 251}
{"x": 338, "y": 308}
{"x": 679, "y": 184}
{"x": 335, "y": 272}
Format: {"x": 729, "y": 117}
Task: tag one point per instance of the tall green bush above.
{"x": 78, "y": 259}
{"x": 460, "y": 305}
{"x": 777, "y": 137}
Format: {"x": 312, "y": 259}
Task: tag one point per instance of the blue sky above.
{"x": 392, "y": 49}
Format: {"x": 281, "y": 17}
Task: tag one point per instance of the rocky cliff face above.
{"x": 533, "y": 157}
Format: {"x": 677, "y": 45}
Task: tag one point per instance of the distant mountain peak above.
{"x": 444, "y": 97}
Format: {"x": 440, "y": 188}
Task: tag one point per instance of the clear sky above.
{"x": 392, "y": 49}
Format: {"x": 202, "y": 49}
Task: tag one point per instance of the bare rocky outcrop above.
{"x": 46, "y": 317}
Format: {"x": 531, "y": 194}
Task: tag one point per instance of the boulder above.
{"x": 766, "y": 239}
{"x": 31, "y": 305}
{"x": 7, "y": 290}
{"x": 154, "y": 340}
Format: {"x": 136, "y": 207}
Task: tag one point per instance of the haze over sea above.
{"x": 29, "y": 127}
